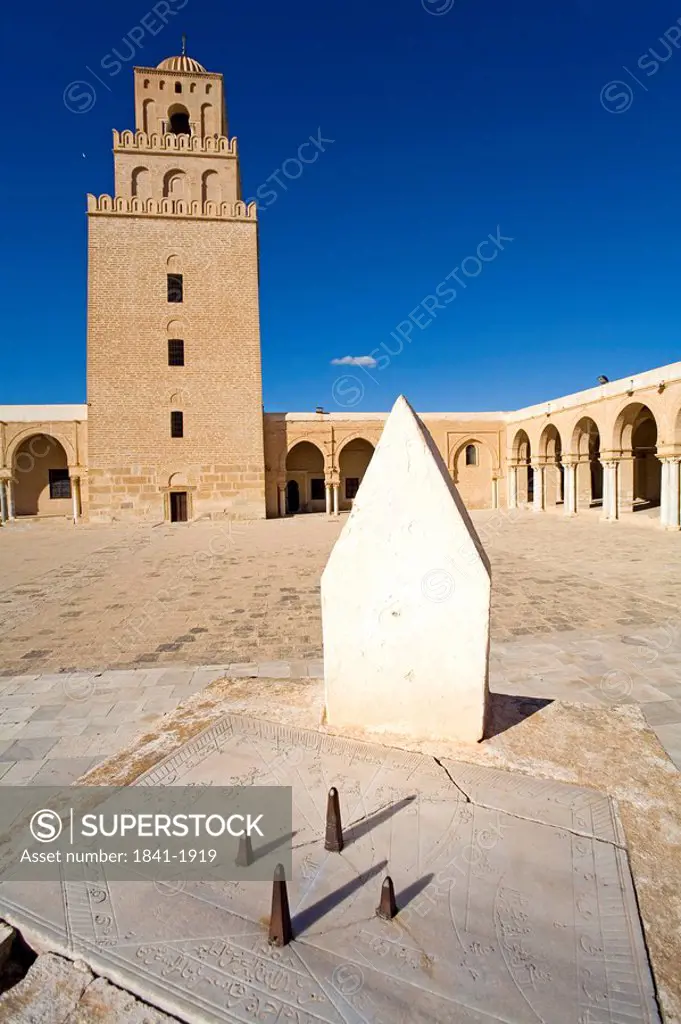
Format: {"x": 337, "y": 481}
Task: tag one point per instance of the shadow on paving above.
{"x": 506, "y": 710}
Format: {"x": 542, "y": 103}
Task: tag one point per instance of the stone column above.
{"x": 664, "y": 492}
{"x": 570, "y": 498}
{"x": 625, "y": 482}
{"x": 674, "y": 494}
{"x": 328, "y": 499}
{"x": 669, "y": 498}
{"x": 10, "y": 500}
{"x": 610, "y": 505}
{"x": 522, "y": 481}
{"x": 583, "y": 489}
{"x": 336, "y": 496}
{"x": 75, "y": 497}
{"x": 538, "y": 489}
{"x": 512, "y": 486}
{"x": 3, "y": 502}
{"x": 495, "y": 492}
{"x": 551, "y": 484}
{"x": 282, "y": 500}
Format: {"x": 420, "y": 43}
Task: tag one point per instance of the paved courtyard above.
{"x": 104, "y": 628}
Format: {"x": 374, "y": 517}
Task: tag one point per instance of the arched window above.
{"x": 178, "y": 87}
{"x": 174, "y": 185}
{"x": 210, "y": 187}
{"x": 206, "y": 119}
{"x": 178, "y": 118}
{"x": 471, "y": 455}
{"x": 141, "y": 183}
{"x": 149, "y": 116}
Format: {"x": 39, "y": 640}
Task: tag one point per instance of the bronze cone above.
{"x": 334, "y": 830}
{"x": 387, "y": 908}
{"x": 281, "y": 932}
{"x": 244, "y": 856}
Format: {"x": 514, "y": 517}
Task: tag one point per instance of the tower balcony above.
{"x": 175, "y": 208}
{"x": 167, "y": 141}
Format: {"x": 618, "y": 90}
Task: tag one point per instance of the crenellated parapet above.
{"x": 139, "y": 142}
{"x": 136, "y": 207}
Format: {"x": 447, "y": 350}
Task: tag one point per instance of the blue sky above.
{"x": 448, "y": 124}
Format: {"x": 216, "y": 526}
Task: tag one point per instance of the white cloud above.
{"x": 354, "y": 361}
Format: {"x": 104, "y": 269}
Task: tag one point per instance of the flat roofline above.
{"x": 360, "y": 416}
{"x": 635, "y": 382}
{"x": 42, "y": 413}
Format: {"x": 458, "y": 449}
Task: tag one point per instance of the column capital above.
{"x": 626, "y": 455}
{"x": 5, "y": 474}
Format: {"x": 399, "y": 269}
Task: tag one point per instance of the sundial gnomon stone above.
{"x": 528, "y": 916}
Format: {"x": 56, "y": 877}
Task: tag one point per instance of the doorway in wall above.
{"x": 178, "y": 506}
{"x": 292, "y": 496}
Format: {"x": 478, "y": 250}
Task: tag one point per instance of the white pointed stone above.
{"x": 406, "y": 598}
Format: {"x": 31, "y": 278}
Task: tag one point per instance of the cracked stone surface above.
{"x": 60, "y": 991}
{"x": 610, "y": 750}
{"x": 48, "y": 994}
{"x": 524, "y": 914}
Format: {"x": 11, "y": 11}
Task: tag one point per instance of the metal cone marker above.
{"x": 334, "y": 830}
{"x": 387, "y": 908}
{"x": 244, "y": 856}
{"x": 281, "y": 932}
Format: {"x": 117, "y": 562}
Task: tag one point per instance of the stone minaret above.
{"x": 174, "y": 379}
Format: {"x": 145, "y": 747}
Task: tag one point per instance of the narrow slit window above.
{"x": 176, "y": 424}
{"x": 175, "y": 288}
{"x": 175, "y": 352}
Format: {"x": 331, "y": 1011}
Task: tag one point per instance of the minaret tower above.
{"x": 174, "y": 381}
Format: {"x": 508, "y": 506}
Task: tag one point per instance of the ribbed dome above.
{"x": 182, "y": 63}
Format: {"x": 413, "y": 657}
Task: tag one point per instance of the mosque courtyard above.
{"x": 106, "y": 628}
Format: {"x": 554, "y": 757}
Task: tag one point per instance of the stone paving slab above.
{"x": 82, "y": 715}
{"x": 250, "y": 592}
{"x": 502, "y": 916}
{"x": 74, "y": 718}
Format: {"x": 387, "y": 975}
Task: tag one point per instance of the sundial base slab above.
{"x": 527, "y": 916}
